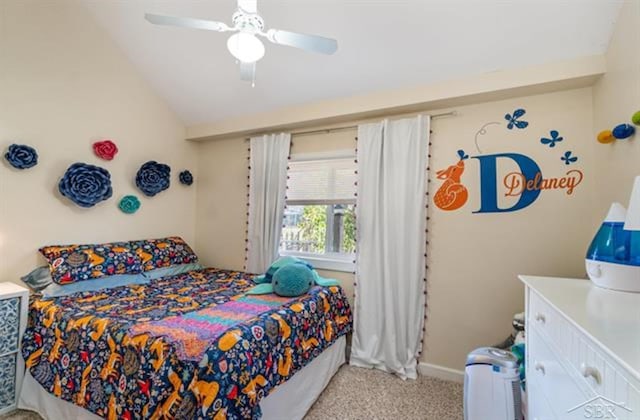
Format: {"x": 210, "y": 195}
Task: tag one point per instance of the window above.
{"x": 319, "y": 221}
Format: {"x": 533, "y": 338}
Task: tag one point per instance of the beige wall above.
{"x": 616, "y": 96}
{"x": 474, "y": 258}
{"x": 63, "y": 85}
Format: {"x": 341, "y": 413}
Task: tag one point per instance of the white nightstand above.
{"x": 14, "y": 302}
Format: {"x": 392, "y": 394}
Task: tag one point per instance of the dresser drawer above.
{"x": 7, "y": 380}
{"x": 549, "y": 376}
{"x": 537, "y": 402}
{"x": 604, "y": 376}
{"x": 548, "y": 321}
{"x": 9, "y": 325}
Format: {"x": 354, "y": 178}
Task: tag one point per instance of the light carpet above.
{"x": 356, "y": 393}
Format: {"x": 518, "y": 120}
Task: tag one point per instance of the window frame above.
{"x": 333, "y": 261}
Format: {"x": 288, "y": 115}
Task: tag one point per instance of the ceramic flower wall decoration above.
{"x": 186, "y": 178}
{"x": 105, "y": 149}
{"x": 153, "y": 177}
{"x": 86, "y": 185}
{"x": 606, "y": 137}
{"x": 623, "y": 131}
{"x": 21, "y": 156}
{"x": 129, "y": 204}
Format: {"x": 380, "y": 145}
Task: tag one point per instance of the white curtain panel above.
{"x": 390, "y": 263}
{"x": 267, "y": 190}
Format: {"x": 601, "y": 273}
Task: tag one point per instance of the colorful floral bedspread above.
{"x": 186, "y": 347}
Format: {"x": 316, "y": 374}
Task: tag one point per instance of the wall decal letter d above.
{"x": 489, "y": 182}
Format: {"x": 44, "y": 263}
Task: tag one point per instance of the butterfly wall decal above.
{"x": 568, "y": 159}
{"x": 555, "y": 138}
{"x": 514, "y": 120}
{"x": 462, "y": 155}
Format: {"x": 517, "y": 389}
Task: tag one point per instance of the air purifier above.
{"x": 492, "y": 385}
{"x": 613, "y": 258}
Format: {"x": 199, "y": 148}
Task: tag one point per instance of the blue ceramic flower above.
{"x": 86, "y": 185}
{"x": 21, "y": 156}
{"x": 186, "y": 178}
{"x": 129, "y": 204}
{"x": 153, "y": 177}
{"x": 623, "y": 131}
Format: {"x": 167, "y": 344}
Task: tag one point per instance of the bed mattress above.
{"x": 188, "y": 346}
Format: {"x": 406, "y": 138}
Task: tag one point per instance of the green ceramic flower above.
{"x": 129, "y": 204}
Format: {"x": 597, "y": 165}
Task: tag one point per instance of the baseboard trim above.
{"x": 441, "y": 372}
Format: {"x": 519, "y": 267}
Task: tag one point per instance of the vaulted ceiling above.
{"x": 383, "y": 44}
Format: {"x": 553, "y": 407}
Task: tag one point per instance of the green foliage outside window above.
{"x": 349, "y": 223}
{"x": 313, "y": 226}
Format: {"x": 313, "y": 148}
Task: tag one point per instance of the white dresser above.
{"x": 13, "y": 321}
{"x": 582, "y": 350}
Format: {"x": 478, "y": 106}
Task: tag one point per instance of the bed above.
{"x": 189, "y": 346}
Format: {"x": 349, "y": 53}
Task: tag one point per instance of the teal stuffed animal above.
{"x": 289, "y": 276}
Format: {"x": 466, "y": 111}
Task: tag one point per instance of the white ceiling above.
{"x": 383, "y": 44}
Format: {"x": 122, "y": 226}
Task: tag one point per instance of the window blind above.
{"x": 327, "y": 181}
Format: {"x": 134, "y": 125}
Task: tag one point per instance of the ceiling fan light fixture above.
{"x": 245, "y": 47}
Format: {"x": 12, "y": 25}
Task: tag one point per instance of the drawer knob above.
{"x": 539, "y": 366}
{"x": 541, "y": 318}
{"x": 590, "y": 371}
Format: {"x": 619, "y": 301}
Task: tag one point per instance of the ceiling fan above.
{"x": 244, "y": 44}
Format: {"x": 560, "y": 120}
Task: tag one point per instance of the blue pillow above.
{"x": 174, "y": 270}
{"x": 38, "y": 279}
{"x": 57, "y": 290}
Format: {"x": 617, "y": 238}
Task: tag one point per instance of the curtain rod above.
{"x": 352, "y": 127}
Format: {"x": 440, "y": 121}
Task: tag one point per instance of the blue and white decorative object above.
{"x": 186, "y": 178}
{"x": 13, "y": 320}
{"x": 153, "y": 177}
{"x": 613, "y": 259}
{"x": 21, "y": 156}
{"x": 86, "y": 185}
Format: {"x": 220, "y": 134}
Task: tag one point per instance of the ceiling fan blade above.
{"x": 186, "y": 22}
{"x": 313, "y": 43}
{"x": 248, "y": 72}
{"x": 249, "y": 6}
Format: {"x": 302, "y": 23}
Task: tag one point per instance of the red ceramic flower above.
{"x": 105, "y": 149}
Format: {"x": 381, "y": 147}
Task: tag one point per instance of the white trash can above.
{"x": 492, "y": 385}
